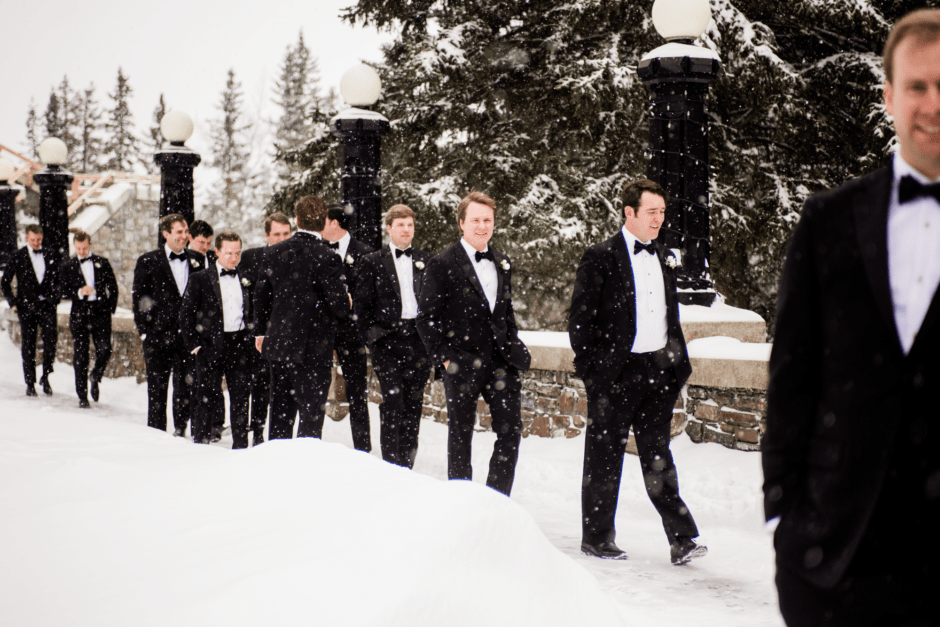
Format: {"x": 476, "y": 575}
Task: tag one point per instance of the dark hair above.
{"x": 311, "y": 213}
{"x": 33, "y": 228}
{"x": 633, "y": 192}
{"x": 225, "y": 236}
{"x": 340, "y": 212}
{"x": 278, "y": 217}
{"x": 924, "y": 24}
{"x": 81, "y": 236}
{"x": 200, "y": 228}
{"x": 478, "y": 197}
{"x": 167, "y": 222}
{"x": 397, "y": 212}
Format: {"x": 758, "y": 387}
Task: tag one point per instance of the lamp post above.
{"x": 8, "y": 195}
{"x": 678, "y": 75}
{"x": 176, "y": 163}
{"x": 54, "y": 182}
{"x": 360, "y": 130}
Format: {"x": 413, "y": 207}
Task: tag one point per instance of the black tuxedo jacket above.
{"x": 352, "y": 262}
{"x": 201, "y": 317}
{"x": 844, "y": 402}
{"x": 454, "y": 318}
{"x": 602, "y": 321}
{"x": 106, "y": 288}
{"x": 377, "y": 300}
{"x": 28, "y": 289}
{"x": 156, "y": 298}
{"x": 250, "y": 266}
{"x": 299, "y": 300}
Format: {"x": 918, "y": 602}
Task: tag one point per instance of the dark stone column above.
{"x": 176, "y": 187}
{"x": 54, "y": 183}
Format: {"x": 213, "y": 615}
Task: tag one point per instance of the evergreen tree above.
{"x": 229, "y": 157}
{"x": 122, "y": 145}
{"x": 91, "y": 144}
{"x": 156, "y": 135}
{"x": 33, "y": 132}
{"x": 297, "y": 94}
{"x": 52, "y": 118}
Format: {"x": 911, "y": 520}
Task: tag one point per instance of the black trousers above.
{"x": 298, "y": 389}
{"x": 643, "y": 397}
{"x": 260, "y": 394}
{"x": 43, "y": 318}
{"x": 351, "y": 353}
{"x": 234, "y": 364}
{"x": 402, "y": 367}
{"x": 163, "y": 357}
{"x": 501, "y": 387}
{"x": 90, "y": 321}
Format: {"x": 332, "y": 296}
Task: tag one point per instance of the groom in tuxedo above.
{"x": 467, "y": 324}
{"x": 851, "y": 469}
{"x": 630, "y": 353}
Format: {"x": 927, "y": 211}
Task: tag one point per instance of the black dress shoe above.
{"x": 46, "y": 388}
{"x": 684, "y": 550}
{"x": 94, "y": 390}
{"x": 216, "y": 434}
{"x": 202, "y": 441}
{"x": 31, "y": 390}
{"x": 607, "y": 550}
{"x": 180, "y": 432}
{"x": 83, "y": 403}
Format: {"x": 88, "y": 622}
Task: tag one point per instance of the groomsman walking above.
{"x": 36, "y": 270}
{"x": 215, "y": 320}
{"x": 386, "y": 306}
{"x": 89, "y": 281}
{"x": 466, "y": 321}
{"x": 299, "y": 302}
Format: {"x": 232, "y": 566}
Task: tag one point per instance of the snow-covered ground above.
{"x": 106, "y": 522}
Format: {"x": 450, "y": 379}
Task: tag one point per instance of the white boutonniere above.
{"x": 246, "y": 282}
{"x": 194, "y": 263}
{"x": 504, "y": 264}
{"x": 350, "y": 260}
{"x": 419, "y": 265}
{"x": 671, "y": 261}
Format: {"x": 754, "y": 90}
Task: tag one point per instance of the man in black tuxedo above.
{"x": 386, "y": 306}
{"x": 200, "y": 240}
{"x": 630, "y": 352}
{"x": 299, "y": 302}
{"x": 467, "y": 324}
{"x": 215, "y": 320}
{"x": 36, "y": 270}
{"x": 89, "y": 281}
{"x": 350, "y": 348}
{"x": 276, "y": 229}
{"x": 851, "y": 469}
{"x": 160, "y": 279}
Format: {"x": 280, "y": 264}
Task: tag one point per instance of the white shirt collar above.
{"x": 903, "y": 168}
{"x": 471, "y": 251}
{"x": 168, "y": 250}
{"x": 629, "y": 238}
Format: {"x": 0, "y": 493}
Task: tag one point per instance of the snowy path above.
{"x": 732, "y": 586}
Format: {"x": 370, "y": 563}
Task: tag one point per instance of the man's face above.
{"x": 913, "y": 99}
{"x": 34, "y": 240}
{"x": 477, "y": 225}
{"x": 229, "y": 255}
{"x": 401, "y": 231}
{"x": 200, "y": 243}
{"x": 82, "y": 249}
{"x": 649, "y": 217}
{"x": 279, "y": 232}
{"x": 178, "y": 236}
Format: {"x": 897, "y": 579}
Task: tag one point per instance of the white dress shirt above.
{"x": 913, "y": 254}
{"x": 404, "y": 268}
{"x": 343, "y": 246}
{"x": 486, "y": 273}
{"x": 651, "y": 328}
{"x": 88, "y": 271}
{"x": 232, "y": 301}
{"x": 180, "y": 269}
{"x": 39, "y": 264}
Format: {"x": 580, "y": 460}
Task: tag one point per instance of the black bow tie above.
{"x": 88, "y": 258}
{"x": 175, "y": 256}
{"x": 232, "y": 272}
{"x": 638, "y": 247}
{"x": 333, "y": 245}
{"x": 486, "y": 254}
{"x": 36, "y": 252}
{"x": 399, "y": 252}
{"x": 911, "y": 189}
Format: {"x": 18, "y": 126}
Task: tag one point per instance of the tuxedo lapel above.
{"x": 465, "y": 263}
{"x": 871, "y": 219}
{"x": 167, "y": 272}
{"x": 497, "y": 258}
{"x": 216, "y": 286}
{"x": 388, "y": 262}
{"x": 417, "y": 276}
{"x": 622, "y": 256}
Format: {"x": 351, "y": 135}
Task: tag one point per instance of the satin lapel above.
{"x": 417, "y": 276}
{"x": 463, "y": 260}
{"x": 626, "y": 270}
{"x": 164, "y": 264}
{"x": 216, "y": 286}
{"x": 32, "y": 270}
{"x": 388, "y": 262}
{"x": 498, "y": 258}
{"x": 871, "y": 220}
{"x": 246, "y": 301}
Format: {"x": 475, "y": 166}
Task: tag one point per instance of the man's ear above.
{"x": 889, "y": 98}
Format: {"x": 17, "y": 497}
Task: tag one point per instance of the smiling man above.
{"x": 851, "y": 470}
{"x": 467, "y": 324}
{"x": 630, "y": 353}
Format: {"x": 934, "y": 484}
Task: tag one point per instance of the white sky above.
{"x": 182, "y": 48}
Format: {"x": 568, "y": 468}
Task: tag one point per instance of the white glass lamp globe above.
{"x": 360, "y": 86}
{"x": 176, "y": 126}
{"x": 52, "y": 151}
{"x": 681, "y": 19}
{"x": 7, "y": 170}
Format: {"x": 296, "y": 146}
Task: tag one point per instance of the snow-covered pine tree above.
{"x": 122, "y": 146}
{"x": 229, "y": 156}
{"x": 296, "y": 93}
{"x": 33, "y": 131}
{"x": 91, "y": 144}
{"x": 155, "y": 142}
{"x": 52, "y": 118}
